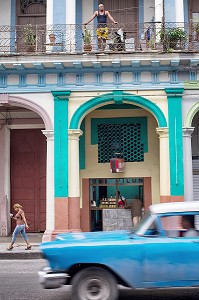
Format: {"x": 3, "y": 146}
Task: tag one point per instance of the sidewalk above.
{"x": 19, "y": 252}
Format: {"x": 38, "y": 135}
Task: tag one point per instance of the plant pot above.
{"x": 87, "y": 47}
{"x": 197, "y": 36}
{"x": 52, "y": 38}
{"x": 30, "y": 48}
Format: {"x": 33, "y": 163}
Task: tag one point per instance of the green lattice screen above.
{"x": 122, "y": 138}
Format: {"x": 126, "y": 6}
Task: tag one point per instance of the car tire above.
{"x": 94, "y": 284}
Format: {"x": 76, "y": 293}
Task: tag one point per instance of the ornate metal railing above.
{"x": 71, "y": 39}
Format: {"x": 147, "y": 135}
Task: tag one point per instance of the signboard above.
{"x": 117, "y": 165}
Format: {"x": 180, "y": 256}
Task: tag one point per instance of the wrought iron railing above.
{"x": 71, "y": 39}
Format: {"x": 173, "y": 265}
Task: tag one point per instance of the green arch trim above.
{"x": 117, "y": 97}
{"x": 189, "y": 118}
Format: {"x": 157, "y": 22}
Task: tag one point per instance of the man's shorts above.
{"x": 102, "y": 32}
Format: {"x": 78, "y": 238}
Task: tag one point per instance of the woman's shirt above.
{"x": 19, "y": 217}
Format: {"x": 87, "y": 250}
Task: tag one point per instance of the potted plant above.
{"x": 196, "y": 29}
{"x": 87, "y": 38}
{"x": 52, "y": 38}
{"x": 29, "y": 38}
{"x": 172, "y": 38}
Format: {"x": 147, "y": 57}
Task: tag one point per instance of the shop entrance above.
{"x": 111, "y": 194}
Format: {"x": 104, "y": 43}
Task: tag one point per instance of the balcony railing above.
{"x": 123, "y": 38}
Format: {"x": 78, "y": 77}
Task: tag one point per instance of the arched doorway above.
{"x": 195, "y": 155}
{"x": 28, "y": 175}
{"x": 31, "y": 13}
{"x": 23, "y": 161}
{"x": 127, "y": 112}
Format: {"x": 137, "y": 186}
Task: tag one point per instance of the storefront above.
{"x": 107, "y": 198}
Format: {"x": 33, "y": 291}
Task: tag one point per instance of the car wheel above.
{"x": 94, "y": 284}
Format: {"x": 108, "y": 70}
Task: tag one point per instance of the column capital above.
{"x": 163, "y": 132}
{"x": 74, "y": 134}
{"x": 4, "y": 98}
{"x": 187, "y": 131}
{"x": 49, "y": 134}
{"x": 60, "y": 95}
{"x": 173, "y": 92}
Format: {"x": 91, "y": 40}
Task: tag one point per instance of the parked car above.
{"x": 155, "y": 254}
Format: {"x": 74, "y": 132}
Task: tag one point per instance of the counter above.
{"x": 116, "y": 219}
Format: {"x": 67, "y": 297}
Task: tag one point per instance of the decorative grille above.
{"x": 120, "y": 138}
{"x": 25, "y": 3}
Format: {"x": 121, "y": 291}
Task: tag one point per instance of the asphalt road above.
{"x": 19, "y": 281}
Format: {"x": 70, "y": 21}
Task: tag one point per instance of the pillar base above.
{"x": 47, "y": 236}
{"x": 51, "y": 235}
{"x": 165, "y": 199}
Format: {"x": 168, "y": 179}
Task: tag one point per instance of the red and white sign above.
{"x": 117, "y": 165}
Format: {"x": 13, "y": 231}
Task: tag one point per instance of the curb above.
{"x": 19, "y": 252}
{"x": 20, "y": 255}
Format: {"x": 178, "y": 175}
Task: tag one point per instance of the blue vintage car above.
{"x": 160, "y": 252}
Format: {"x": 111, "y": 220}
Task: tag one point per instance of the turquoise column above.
{"x": 61, "y": 142}
{"x": 174, "y": 96}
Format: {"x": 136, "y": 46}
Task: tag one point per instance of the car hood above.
{"x": 82, "y": 238}
{"x": 95, "y": 236}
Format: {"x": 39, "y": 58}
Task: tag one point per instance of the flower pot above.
{"x": 52, "y": 38}
{"x": 87, "y": 47}
{"x": 30, "y": 48}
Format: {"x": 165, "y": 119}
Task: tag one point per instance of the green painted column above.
{"x": 61, "y": 142}
{"x": 174, "y": 96}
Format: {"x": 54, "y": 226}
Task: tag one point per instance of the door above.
{"x": 28, "y": 175}
{"x": 170, "y": 259}
{"x": 123, "y": 11}
{"x": 126, "y": 13}
{"x": 34, "y": 13}
{"x": 171, "y": 262}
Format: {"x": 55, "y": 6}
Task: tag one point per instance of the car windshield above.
{"x": 147, "y": 222}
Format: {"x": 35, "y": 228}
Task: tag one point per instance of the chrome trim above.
{"x": 50, "y": 279}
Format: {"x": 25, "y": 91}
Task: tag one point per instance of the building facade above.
{"x": 66, "y": 112}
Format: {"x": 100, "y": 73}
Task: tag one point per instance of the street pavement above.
{"x": 19, "y": 281}
{"x": 19, "y": 252}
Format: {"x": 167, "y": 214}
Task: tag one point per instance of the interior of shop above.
{"x": 112, "y": 193}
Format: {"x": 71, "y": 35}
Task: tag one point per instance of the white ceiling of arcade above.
{"x": 17, "y": 115}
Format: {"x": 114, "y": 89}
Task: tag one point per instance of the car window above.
{"x": 173, "y": 226}
{"x": 147, "y": 226}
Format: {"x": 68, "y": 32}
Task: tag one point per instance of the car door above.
{"x": 170, "y": 261}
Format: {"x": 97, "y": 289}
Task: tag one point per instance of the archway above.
{"x": 118, "y": 97}
{"x": 25, "y": 152}
{"x": 191, "y": 153}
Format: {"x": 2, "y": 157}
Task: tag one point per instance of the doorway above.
{"x": 28, "y": 176}
{"x": 109, "y": 193}
{"x": 32, "y": 13}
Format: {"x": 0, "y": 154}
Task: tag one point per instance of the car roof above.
{"x": 163, "y": 208}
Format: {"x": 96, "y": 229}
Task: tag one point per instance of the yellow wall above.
{"x": 148, "y": 168}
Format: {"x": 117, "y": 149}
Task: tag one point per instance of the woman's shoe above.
{"x": 10, "y": 248}
{"x": 28, "y": 247}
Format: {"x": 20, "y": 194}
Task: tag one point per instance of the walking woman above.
{"x": 102, "y": 29}
{"x": 21, "y": 225}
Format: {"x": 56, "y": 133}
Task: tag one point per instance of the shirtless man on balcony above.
{"x": 102, "y": 29}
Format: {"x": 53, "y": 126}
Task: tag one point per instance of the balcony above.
{"x": 121, "y": 38}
